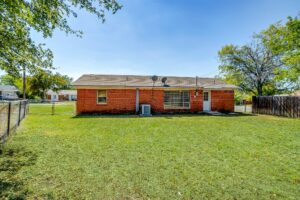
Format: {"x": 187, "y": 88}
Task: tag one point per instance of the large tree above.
{"x": 18, "y": 52}
{"x": 252, "y": 67}
{"x": 44, "y": 80}
{"x": 38, "y": 83}
{"x": 283, "y": 39}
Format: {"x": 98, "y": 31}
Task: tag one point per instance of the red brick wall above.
{"x": 222, "y": 100}
{"x": 123, "y": 101}
{"x": 118, "y": 101}
{"x": 196, "y": 101}
{"x": 156, "y": 99}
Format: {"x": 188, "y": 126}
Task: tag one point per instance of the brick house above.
{"x": 116, "y": 94}
{"x": 62, "y": 95}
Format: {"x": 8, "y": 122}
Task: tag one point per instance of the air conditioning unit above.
{"x": 146, "y": 110}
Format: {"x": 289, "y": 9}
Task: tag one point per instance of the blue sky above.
{"x": 163, "y": 37}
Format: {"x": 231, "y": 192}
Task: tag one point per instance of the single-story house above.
{"x": 108, "y": 94}
{"x": 296, "y": 93}
{"x": 8, "y": 92}
{"x": 62, "y": 95}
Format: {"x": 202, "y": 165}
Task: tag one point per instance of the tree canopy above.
{"x": 39, "y": 83}
{"x": 284, "y": 40}
{"x": 252, "y": 66}
{"x": 269, "y": 64}
{"x": 44, "y": 80}
{"x": 19, "y": 17}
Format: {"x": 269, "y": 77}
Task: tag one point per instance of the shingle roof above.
{"x": 146, "y": 81}
{"x": 8, "y": 88}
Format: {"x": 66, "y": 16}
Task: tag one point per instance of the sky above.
{"x": 162, "y": 37}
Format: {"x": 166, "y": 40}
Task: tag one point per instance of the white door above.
{"x": 54, "y": 97}
{"x": 206, "y": 101}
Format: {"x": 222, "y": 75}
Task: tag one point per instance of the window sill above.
{"x": 101, "y": 104}
{"x": 177, "y": 108}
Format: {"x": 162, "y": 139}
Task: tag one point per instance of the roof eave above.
{"x": 151, "y": 87}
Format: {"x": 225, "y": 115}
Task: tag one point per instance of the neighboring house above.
{"x": 8, "y": 92}
{"x": 125, "y": 94}
{"x": 62, "y": 95}
{"x": 296, "y": 93}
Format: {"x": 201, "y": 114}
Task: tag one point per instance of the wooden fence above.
{"x": 11, "y": 114}
{"x": 287, "y": 106}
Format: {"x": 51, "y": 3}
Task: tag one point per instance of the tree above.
{"x": 44, "y": 80}
{"x": 18, "y": 83}
{"x": 18, "y": 52}
{"x": 39, "y": 83}
{"x": 7, "y": 80}
{"x": 284, "y": 40}
{"x": 252, "y": 67}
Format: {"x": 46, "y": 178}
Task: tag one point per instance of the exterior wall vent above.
{"x": 146, "y": 110}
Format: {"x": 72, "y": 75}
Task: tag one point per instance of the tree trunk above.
{"x": 259, "y": 89}
{"x": 44, "y": 95}
{"x": 24, "y": 83}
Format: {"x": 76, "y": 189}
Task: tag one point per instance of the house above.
{"x": 8, "y": 92}
{"x": 296, "y": 93}
{"x": 62, "y": 95}
{"x": 108, "y": 94}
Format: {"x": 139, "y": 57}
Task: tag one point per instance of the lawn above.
{"x": 163, "y": 157}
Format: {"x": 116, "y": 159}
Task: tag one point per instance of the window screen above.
{"x": 101, "y": 97}
{"x": 177, "y": 100}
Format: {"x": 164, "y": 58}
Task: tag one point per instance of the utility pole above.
{"x": 24, "y": 83}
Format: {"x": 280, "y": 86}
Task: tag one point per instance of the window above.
{"x": 177, "y": 100}
{"x": 101, "y": 97}
{"x": 205, "y": 96}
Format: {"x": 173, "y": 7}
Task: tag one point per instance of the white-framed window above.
{"x": 205, "y": 96}
{"x": 101, "y": 97}
{"x": 177, "y": 100}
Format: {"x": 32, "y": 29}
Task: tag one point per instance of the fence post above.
{"x": 8, "y": 117}
{"x": 253, "y": 104}
{"x": 52, "y": 112}
{"x": 25, "y": 109}
{"x": 20, "y": 107}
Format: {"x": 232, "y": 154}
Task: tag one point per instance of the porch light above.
{"x": 196, "y": 92}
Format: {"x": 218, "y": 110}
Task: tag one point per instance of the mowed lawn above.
{"x": 163, "y": 157}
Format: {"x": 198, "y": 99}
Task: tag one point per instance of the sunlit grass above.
{"x": 164, "y": 157}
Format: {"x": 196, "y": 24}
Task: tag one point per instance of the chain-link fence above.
{"x": 46, "y": 107}
{"x": 11, "y": 114}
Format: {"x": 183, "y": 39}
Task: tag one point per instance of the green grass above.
{"x": 163, "y": 157}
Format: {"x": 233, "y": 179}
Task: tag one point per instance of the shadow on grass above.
{"x": 167, "y": 116}
{"x": 12, "y": 160}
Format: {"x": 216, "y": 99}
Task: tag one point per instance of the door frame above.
{"x": 209, "y": 99}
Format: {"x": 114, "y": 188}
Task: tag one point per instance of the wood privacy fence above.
{"x": 11, "y": 114}
{"x": 287, "y": 106}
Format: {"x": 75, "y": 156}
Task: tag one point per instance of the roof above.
{"x": 8, "y": 88}
{"x": 92, "y": 80}
{"x": 63, "y": 92}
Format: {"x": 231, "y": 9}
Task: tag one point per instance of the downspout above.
{"x": 137, "y": 100}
